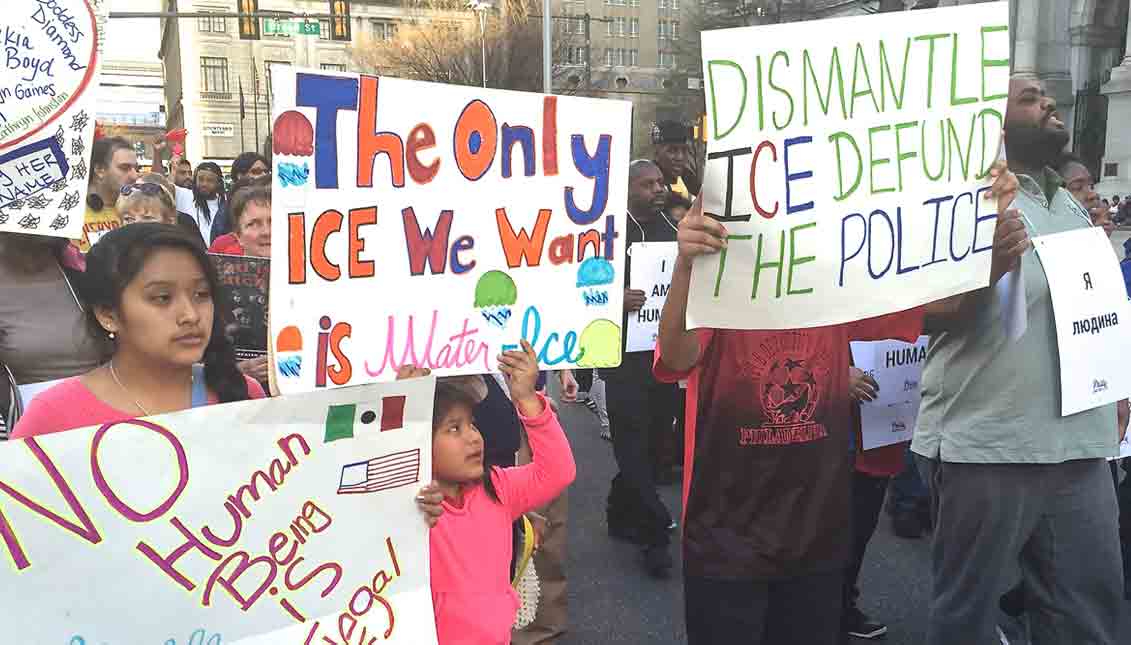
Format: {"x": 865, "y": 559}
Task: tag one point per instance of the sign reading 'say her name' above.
{"x": 848, "y": 161}
{"x": 48, "y": 60}
{"x": 436, "y": 225}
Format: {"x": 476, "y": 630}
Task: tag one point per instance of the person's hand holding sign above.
{"x": 1011, "y": 240}
{"x": 633, "y": 300}
{"x": 861, "y": 385}
{"x": 698, "y": 235}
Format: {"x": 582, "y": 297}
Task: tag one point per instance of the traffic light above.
{"x": 339, "y": 20}
{"x": 249, "y": 26}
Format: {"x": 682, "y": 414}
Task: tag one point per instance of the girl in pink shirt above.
{"x": 151, "y": 305}
{"x": 471, "y": 542}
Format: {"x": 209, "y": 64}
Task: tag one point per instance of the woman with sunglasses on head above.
{"x": 149, "y": 199}
{"x": 151, "y": 295}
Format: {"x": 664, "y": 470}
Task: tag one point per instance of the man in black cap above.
{"x": 672, "y": 141}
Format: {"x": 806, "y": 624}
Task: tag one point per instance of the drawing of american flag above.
{"x": 381, "y": 473}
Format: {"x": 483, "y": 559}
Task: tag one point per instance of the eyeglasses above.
{"x": 146, "y": 188}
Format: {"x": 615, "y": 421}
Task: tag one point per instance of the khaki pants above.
{"x": 550, "y": 562}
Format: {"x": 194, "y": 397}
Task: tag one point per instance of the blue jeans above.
{"x": 908, "y": 494}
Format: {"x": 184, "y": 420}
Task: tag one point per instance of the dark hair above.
{"x": 198, "y": 198}
{"x": 251, "y": 193}
{"x": 243, "y": 163}
{"x": 117, "y": 259}
{"x": 446, "y": 398}
{"x": 102, "y": 155}
{"x": 184, "y": 162}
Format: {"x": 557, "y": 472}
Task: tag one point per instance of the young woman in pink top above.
{"x": 151, "y": 304}
{"x": 471, "y": 545}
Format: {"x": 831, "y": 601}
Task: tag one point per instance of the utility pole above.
{"x": 588, "y": 54}
{"x": 547, "y": 37}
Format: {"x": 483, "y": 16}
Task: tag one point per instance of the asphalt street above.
{"x": 613, "y": 601}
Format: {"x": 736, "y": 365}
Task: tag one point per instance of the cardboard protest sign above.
{"x": 285, "y": 520}
{"x": 438, "y": 225}
{"x": 1092, "y": 314}
{"x": 848, "y": 159}
{"x": 652, "y": 264}
{"x": 897, "y": 368}
{"x": 245, "y": 280}
{"x": 51, "y": 56}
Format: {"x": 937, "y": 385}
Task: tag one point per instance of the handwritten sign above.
{"x": 1092, "y": 316}
{"x": 285, "y": 520}
{"x": 652, "y": 264}
{"x": 49, "y": 60}
{"x": 848, "y": 159}
{"x": 245, "y": 281}
{"x": 898, "y": 369}
{"x": 439, "y": 225}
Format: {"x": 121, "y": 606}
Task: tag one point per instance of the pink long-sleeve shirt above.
{"x": 471, "y": 546}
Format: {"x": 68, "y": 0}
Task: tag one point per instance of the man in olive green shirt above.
{"x": 1014, "y": 480}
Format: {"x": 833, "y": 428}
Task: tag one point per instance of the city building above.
{"x": 130, "y": 97}
{"x": 210, "y": 72}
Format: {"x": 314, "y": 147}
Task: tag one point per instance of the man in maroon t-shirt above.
{"x": 767, "y": 462}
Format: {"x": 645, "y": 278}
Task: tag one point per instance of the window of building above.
{"x": 634, "y": 27}
{"x": 324, "y": 29}
{"x": 333, "y": 67}
{"x": 668, "y": 29}
{"x": 633, "y": 57}
{"x": 575, "y": 55}
{"x": 1111, "y": 170}
{"x": 383, "y": 29}
{"x": 634, "y": 3}
{"x": 618, "y": 26}
{"x": 615, "y": 3}
{"x": 672, "y": 5}
{"x": 214, "y": 74}
{"x": 667, "y": 59}
{"x": 212, "y": 24}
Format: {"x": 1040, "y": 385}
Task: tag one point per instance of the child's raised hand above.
{"x": 430, "y": 501}
{"x": 412, "y": 371}
{"x": 521, "y": 369}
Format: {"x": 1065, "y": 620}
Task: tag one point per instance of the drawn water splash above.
{"x": 292, "y": 174}
{"x": 288, "y": 352}
{"x": 600, "y": 344}
{"x": 495, "y": 294}
{"x": 291, "y": 366}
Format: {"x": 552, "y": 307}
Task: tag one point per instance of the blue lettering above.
{"x": 595, "y": 168}
{"x": 791, "y": 177}
{"x": 327, "y": 95}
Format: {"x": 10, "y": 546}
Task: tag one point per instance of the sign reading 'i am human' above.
{"x": 848, "y": 160}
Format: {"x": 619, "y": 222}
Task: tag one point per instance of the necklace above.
{"x": 114, "y": 374}
{"x": 662, "y": 214}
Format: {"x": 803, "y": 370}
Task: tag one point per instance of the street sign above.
{"x": 284, "y": 26}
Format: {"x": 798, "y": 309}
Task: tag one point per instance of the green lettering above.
{"x": 825, "y": 99}
{"x": 860, "y": 65}
{"x": 761, "y": 98}
{"x": 723, "y": 260}
{"x": 954, "y": 99}
{"x": 885, "y": 72}
{"x": 759, "y": 265}
{"x": 990, "y": 152}
{"x": 901, "y": 156}
{"x": 835, "y": 138}
{"x": 784, "y": 93}
{"x": 931, "y": 38}
{"x": 795, "y": 261}
{"x": 996, "y": 62}
{"x": 963, "y": 159}
{"x": 942, "y": 151}
{"x": 714, "y": 103}
{"x": 873, "y": 161}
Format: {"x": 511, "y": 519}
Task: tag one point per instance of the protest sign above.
{"x": 438, "y": 225}
{"x": 1091, "y": 312}
{"x": 287, "y": 520}
{"x": 245, "y": 281}
{"x": 651, "y": 272}
{"x": 848, "y": 159}
{"x": 47, "y": 113}
{"x": 897, "y": 368}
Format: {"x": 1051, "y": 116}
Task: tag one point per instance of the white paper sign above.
{"x": 51, "y": 57}
{"x": 1089, "y": 301}
{"x": 224, "y": 523}
{"x": 651, "y": 272}
{"x": 847, "y": 159}
{"x": 898, "y": 369}
{"x": 438, "y": 225}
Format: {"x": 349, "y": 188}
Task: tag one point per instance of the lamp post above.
{"x": 480, "y": 7}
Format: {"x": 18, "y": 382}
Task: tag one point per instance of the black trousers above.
{"x": 800, "y": 611}
{"x": 584, "y": 378}
{"x": 639, "y": 415}
{"x": 867, "y": 502}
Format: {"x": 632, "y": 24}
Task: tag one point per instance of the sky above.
{"x": 137, "y": 39}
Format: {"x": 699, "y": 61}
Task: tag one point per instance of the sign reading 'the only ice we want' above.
{"x": 437, "y": 225}
{"x": 848, "y": 160}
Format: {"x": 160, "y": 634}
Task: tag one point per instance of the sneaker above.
{"x": 606, "y": 434}
{"x": 657, "y": 561}
{"x": 591, "y": 404}
{"x": 857, "y": 624}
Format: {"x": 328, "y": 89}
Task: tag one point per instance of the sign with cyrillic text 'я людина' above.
{"x": 48, "y": 71}
{"x": 848, "y": 160}
{"x": 438, "y": 225}
{"x": 285, "y": 520}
